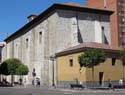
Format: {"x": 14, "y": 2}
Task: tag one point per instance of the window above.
{"x": 71, "y": 62}
{"x": 123, "y": 38}
{"x": 123, "y": 45}
{"x": 104, "y": 39}
{"x": 27, "y": 40}
{"x": 16, "y": 50}
{"x": 103, "y": 29}
{"x": 40, "y": 37}
{"x": 123, "y": 29}
{"x": 113, "y": 61}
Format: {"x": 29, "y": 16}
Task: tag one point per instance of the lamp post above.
{"x": 52, "y": 58}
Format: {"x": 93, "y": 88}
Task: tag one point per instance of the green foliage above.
{"x": 91, "y": 57}
{"x": 13, "y": 66}
{"x": 22, "y": 70}
{"x": 122, "y": 56}
{"x": 4, "y": 69}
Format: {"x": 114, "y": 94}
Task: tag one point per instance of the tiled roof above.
{"x": 72, "y": 4}
{"x": 94, "y": 45}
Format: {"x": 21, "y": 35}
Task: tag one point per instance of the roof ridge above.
{"x": 72, "y": 4}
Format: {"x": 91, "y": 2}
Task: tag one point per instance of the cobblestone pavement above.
{"x": 58, "y": 91}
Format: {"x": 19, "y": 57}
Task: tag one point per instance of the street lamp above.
{"x": 52, "y": 58}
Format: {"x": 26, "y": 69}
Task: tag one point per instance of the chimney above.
{"x": 32, "y": 17}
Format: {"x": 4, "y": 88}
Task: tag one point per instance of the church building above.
{"x": 61, "y": 26}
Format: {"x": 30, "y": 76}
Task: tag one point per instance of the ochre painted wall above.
{"x": 113, "y": 73}
{"x": 68, "y": 73}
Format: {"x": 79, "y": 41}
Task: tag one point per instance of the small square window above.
{"x": 27, "y": 40}
{"x": 40, "y": 33}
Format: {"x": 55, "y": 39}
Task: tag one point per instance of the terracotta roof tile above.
{"x": 72, "y": 4}
{"x": 91, "y": 45}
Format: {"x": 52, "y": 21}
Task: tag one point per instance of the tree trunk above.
{"x": 93, "y": 76}
{"x": 20, "y": 80}
{"x": 0, "y": 77}
{"x": 12, "y": 77}
{"x": 123, "y": 74}
{"x": 20, "y": 76}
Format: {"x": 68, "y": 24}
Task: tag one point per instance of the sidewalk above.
{"x": 99, "y": 89}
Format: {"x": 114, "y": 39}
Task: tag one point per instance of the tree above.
{"x": 13, "y": 64}
{"x": 90, "y": 58}
{"x": 9, "y": 66}
{"x": 3, "y": 70}
{"x": 122, "y": 56}
{"x": 22, "y": 70}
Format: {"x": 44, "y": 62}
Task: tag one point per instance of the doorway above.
{"x": 100, "y": 78}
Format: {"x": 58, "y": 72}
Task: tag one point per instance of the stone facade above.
{"x": 60, "y": 30}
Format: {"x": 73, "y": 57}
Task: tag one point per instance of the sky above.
{"x": 13, "y": 13}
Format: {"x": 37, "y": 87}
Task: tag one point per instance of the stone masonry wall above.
{"x": 61, "y": 30}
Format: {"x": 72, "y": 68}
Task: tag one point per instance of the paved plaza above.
{"x": 58, "y": 91}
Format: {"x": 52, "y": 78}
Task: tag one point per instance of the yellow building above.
{"x": 68, "y": 69}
